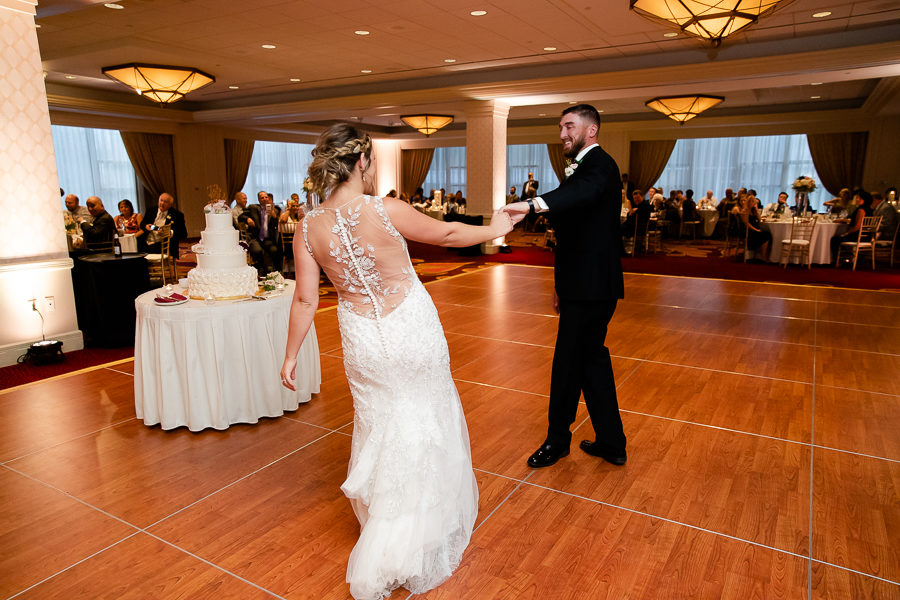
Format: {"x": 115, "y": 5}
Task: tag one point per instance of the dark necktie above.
{"x": 264, "y": 226}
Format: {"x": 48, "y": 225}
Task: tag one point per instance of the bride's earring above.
{"x": 364, "y": 177}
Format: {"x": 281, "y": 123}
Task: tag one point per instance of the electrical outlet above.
{"x": 51, "y": 302}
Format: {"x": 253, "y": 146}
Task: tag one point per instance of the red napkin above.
{"x": 169, "y": 299}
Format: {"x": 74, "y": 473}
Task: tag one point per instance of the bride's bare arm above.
{"x": 303, "y": 308}
{"x": 418, "y": 227}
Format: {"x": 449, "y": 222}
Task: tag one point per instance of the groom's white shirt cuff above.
{"x": 539, "y": 204}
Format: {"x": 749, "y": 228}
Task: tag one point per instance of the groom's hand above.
{"x": 516, "y": 210}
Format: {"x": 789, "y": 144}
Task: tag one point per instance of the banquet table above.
{"x": 203, "y": 365}
{"x": 105, "y": 286}
{"x": 820, "y": 245}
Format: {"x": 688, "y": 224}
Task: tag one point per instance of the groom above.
{"x": 584, "y": 211}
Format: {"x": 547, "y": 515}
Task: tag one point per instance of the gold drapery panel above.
{"x": 647, "y": 161}
{"x": 237, "y": 162}
{"x": 557, "y": 160}
{"x": 153, "y": 160}
{"x": 414, "y": 165}
{"x": 839, "y": 158}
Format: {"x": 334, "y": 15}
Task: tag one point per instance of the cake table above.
{"x": 202, "y": 365}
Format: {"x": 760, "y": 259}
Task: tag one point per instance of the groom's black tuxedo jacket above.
{"x": 585, "y": 213}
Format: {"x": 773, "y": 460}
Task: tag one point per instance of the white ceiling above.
{"x": 605, "y": 54}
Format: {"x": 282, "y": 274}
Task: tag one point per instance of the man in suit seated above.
{"x": 262, "y": 230}
{"x": 101, "y": 229}
{"x": 164, "y": 213}
{"x": 638, "y": 213}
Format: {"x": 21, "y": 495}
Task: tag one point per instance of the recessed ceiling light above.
{"x": 361, "y": 32}
{"x": 449, "y": 60}
{"x": 574, "y": 102}
{"x": 671, "y": 34}
{"x": 549, "y": 48}
{"x": 38, "y": 25}
{"x": 269, "y": 46}
{"x": 478, "y": 13}
{"x": 599, "y": 111}
{"x": 366, "y": 71}
{"x": 824, "y": 13}
{"x": 295, "y": 79}
{"x": 542, "y": 114}
{"x": 114, "y": 5}
{"x": 233, "y": 87}
{"x": 816, "y": 83}
{"x": 814, "y": 97}
{"x": 71, "y": 77}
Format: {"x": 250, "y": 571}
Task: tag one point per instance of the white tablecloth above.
{"x": 710, "y": 217}
{"x": 128, "y": 242}
{"x": 200, "y": 365}
{"x": 819, "y": 248}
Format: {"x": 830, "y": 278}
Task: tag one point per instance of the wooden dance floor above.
{"x": 763, "y": 425}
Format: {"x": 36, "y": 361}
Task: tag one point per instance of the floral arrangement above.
{"x": 272, "y": 281}
{"x": 570, "y": 168}
{"x": 804, "y": 184}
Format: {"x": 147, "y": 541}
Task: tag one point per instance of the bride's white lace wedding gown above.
{"x": 410, "y": 477}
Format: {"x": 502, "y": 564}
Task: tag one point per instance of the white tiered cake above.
{"x": 222, "y": 270}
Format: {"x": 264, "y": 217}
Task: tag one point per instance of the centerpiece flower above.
{"x": 804, "y": 184}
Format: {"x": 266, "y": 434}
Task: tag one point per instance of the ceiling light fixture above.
{"x": 361, "y": 32}
{"x": 814, "y": 97}
{"x": 683, "y": 108}
{"x": 366, "y": 71}
{"x": 710, "y": 20}
{"x": 821, "y": 15}
{"x": 427, "y": 124}
{"x": 234, "y": 87}
{"x": 816, "y": 83}
{"x": 113, "y": 5}
{"x": 549, "y": 48}
{"x": 71, "y": 77}
{"x": 478, "y": 13}
{"x": 295, "y": 79}
{"x": 671, "y": 34}
{"x": 37, "y": 25}
{"x": 160, "y": 83}
{"x": 449, "y": 60}
{"x": 269, "y": 46}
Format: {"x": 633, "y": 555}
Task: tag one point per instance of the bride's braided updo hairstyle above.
{"x": 335, "y": 154}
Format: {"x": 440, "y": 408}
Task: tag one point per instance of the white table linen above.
{"x": 819, "y": 247}
{"x": 710, "y": 217}
{"x": 128, "y": 242}
{"x": 199, "y": 365}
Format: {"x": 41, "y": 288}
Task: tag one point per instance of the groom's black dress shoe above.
{"x": 595, "y": 449}
{"x": 547, "y": 455}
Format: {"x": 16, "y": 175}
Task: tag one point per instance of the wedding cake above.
{"x": 222, "y": 270}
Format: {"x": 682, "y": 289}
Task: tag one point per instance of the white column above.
{"x": 486, "y": 160}
{"x": 34, "y": 262}
{"x": 387, "y": 165}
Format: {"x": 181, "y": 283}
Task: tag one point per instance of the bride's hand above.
{"x": 288, "y": 370}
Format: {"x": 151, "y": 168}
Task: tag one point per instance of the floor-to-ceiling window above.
{"x": 93, "y": 162}
{"x": 768, "y": 164}
{"x": 278, "y": 168}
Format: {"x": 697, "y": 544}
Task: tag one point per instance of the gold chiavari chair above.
{"x": 799, "y": 241}
{"x": 865, "y": 241}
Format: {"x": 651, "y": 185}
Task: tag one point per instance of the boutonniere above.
{"x": 570, "y": 169}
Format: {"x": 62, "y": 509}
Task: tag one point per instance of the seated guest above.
{"x": 708, "y": 201}
{"x": 262, "y": 230}
{"x": 777, "y": 208}
{"x": 404, "y": 197}
{"x": 757, "y": 239}
{"x": 863, "y": 202}
{"x": 658, "y": 203}
{"x": 102, "y": 228}
{"x": 754, "y": 200}
{"x": 672, "y": 215}
{"x": 460, "y": 202}
{"x": 451, "y": 206}
{"x": 689, "y": 207}
{"x": 156, "y": 217}
{"x": 75, "y": 213}
{"x": 392, "y": 194}
{"x": 240, "y": 205}
{"x": 418, "y": 198}
{"x": 127, "y": 220}
{"x": 842, "y": 203}
{"x": 727, "y": 203}
{"x": 888, "y": 214}
{"x": 639, "y": 215}
{"x": 512, "y": 196}
{"x": 293, "y": 215}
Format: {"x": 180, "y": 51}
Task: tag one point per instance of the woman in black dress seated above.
{"x": 863, "y": 202}
{"x": 757, "y": 239}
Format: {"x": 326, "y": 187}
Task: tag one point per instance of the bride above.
{"x": 410, "y": 478}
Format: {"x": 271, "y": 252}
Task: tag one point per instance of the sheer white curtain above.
{"x": 767, "y": 164}
{"x": 448, "y": 168}
{"x": 529, "y": 158}
{"x": 93, "y": 162}
{"x": 279, "y": 168}
{"x": 448, "y": 171}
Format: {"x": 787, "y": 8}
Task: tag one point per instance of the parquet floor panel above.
{"x": 763, "y": 425}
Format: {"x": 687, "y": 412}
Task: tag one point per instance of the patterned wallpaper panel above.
{"x": 31, "y": 223}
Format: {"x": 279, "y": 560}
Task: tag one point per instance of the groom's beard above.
{"x": 577, "y": 145}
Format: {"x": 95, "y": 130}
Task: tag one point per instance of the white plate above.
{"x": 176, "y": 303}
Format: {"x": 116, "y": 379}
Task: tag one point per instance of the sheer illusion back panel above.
{"x": 363, "y": 255}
